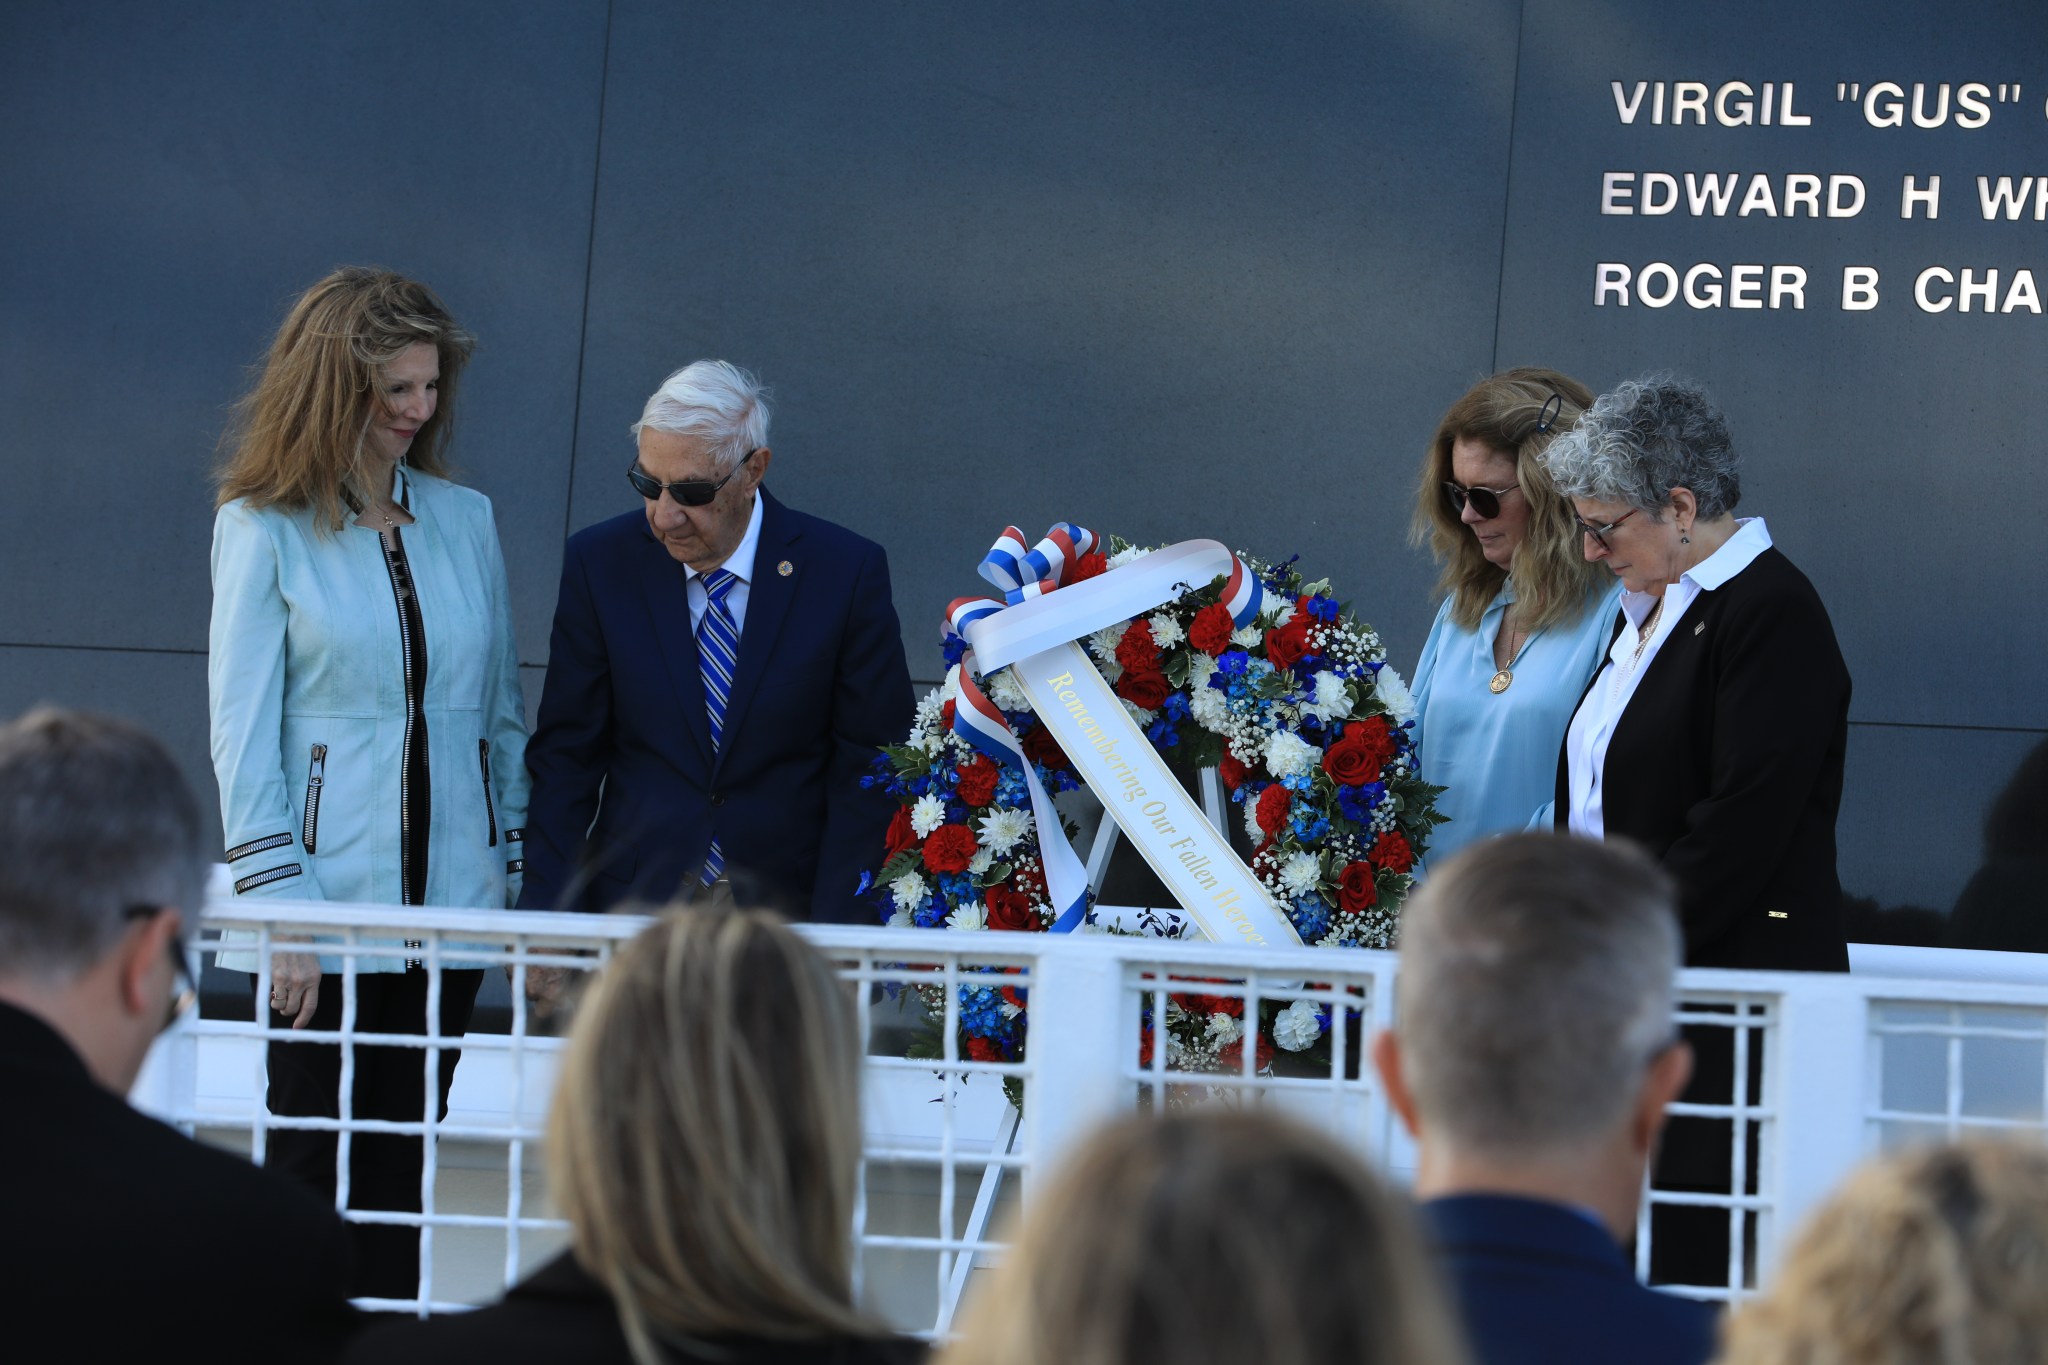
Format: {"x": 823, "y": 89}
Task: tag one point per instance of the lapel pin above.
{"x": 1700, "y": 627}
{"x": 785, "y": 568}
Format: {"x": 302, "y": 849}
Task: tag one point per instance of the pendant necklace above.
{"x": 1505, "y": 677}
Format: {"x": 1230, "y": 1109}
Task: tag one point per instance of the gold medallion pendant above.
{"x": 1500, "y": 681}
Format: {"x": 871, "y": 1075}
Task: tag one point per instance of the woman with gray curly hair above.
{"x": 1713, "y": 734}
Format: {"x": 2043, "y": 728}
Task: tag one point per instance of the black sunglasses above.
{"x": 1485, "y": 501}
{"x": 690, "y": 493}
{"x": 1600, "y": 533}
{"x": 181, "y": 964}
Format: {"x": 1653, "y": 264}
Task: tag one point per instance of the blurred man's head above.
{"x": 102, "y": 866}
{"x": 1535, "y": 1045}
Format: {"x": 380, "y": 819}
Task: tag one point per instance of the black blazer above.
{"x": 125, "y": 1240}
{"x": 1539, "y": 1284}
{"x": 559, "y": 1313}
{"x": 624, "y": 740}
{"x": 1727, "y": 767}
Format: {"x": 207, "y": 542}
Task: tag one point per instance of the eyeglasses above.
{"x": 1600, "y": 533}
{"x": 691, "y": 492}
{"x": 181, "y": 960}
{"x": 1485, "y": 501}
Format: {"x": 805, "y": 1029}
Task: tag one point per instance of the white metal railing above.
{"x": 1826, "y": 1069}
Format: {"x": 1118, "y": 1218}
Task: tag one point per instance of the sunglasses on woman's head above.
{"x": 1485, "y": 501}
{"x": 690, "y": 492}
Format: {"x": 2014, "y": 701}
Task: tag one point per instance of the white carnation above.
{"x": 1005, "y": 691}
{"x": 1126, "y": 555}
{"x": 928, "y": 814}
{"x": 1251, "y": 823}
{"x": 979, "y": 863}
{"x": 1166, "y": 631}
{"x": 1001, "y": 828}
{"x": 1201, "y": 668}
{"x": 1331, "y": 700}
{"x": 968, "y": 916}
{"x": 1224, "y": 1030}
{"x": 1210, "y": 708}
{"x": 1102, "y": 644}
{"x": 909, "y": 890}
{"x": 1394, "y": 694}
{"x": 1283, "y": 614}
{"x": 1289, "y": 756}
{"x": 1295, "y": 1028}
{"x": 949, "y": 690}
{"x": 1247, "y": 637}
{"x": 1300, "y": 873}
{"x": 1137, "y": 713}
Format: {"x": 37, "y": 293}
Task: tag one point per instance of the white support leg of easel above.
{"x": 1217, "y": 809}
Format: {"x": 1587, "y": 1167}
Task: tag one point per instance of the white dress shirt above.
{"x": 1592, "y": 729}
{"x": 741, "y": 564}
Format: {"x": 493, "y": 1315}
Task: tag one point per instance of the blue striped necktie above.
{"x": 718, "y": 651}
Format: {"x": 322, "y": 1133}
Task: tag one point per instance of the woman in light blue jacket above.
{"x": 368, "y": 731}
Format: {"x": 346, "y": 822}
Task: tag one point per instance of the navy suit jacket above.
{"x": 627, "y": 790}
{"x": 1539, "y": 1284}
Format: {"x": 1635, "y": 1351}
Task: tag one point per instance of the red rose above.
{"x": 1137, "y": 651}
{"x": 1232, "y": 771}
{"x": 1147, "y": 689}
{"x": 1361, "y": 753}
{"x": 977, "y": 786}
{"x": 1272, "y": 808}
{"x": 1088, "y": 566}
{"x": 1285, "y": 646}
{"x": 1232, "y": 1057}
{"x": 1041, "y": 748}
{"x": 1355, "y": 889}
{"x": 984, "y": 1050}
{"x": 1392, "y": 852}
{"x": 1211, "y": 629}
{"x": 900, "y": 835}
{"x": 950, "y": 848}
{"x": 1010, "y": 910}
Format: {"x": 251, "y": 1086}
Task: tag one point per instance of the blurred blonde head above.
{"x": 1215, "y": 1237}
{"x": 299, "y": 436}
{"x": 705, "y": 1134}
{"x": 1937, "y": 1256}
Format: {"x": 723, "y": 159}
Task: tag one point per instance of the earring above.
{"x": 1684, "y": 539}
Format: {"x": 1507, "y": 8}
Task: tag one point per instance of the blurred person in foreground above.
{"x": 1525, "y": 619}
{"x": 722, "y": 669}
{"x": 1211, "y": 1238}
{"x": 1533, "y": 1060}
{"x": 1714, "y": 733}
{"x": 368, "y": 732}
{"x": 124, "y": 1239}
{"x": 703, "y": 1144}
{"x": 1933, "y": 1256}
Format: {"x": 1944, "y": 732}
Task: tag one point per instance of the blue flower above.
{"x": 1176, "y": 705}
{"x": 1308, "y": 824}
{"x": 930, "y": 913}
{"x": 1010, "y": 788}
{"x": 1162, "y": 734}
{"x": 1230, "y": 664}
{"x": 954, "y": 647}
{"x": 1311, "y": 919}
{"x": 1323, "y": 608}
{"x": 1357, "y": 802}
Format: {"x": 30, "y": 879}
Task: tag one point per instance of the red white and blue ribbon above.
{"x": 1027, "y": 576}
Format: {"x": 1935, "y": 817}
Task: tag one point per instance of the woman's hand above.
{"x": 294, "y": 982}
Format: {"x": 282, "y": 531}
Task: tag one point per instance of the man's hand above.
{"x": 294, "y": 982}
{"x": 547, "y": 988}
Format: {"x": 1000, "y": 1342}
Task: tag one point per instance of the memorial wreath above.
{"x": 1251, "y": 671}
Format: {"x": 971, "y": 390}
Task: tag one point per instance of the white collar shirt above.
{"x": 1592, "y": 729}
{"x": 741, "y": 564}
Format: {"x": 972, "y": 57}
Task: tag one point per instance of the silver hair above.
{"x": 1645, "y": 438}
{"x": 95, "y": 819}
{"x": 1537, "y": 982}
{"x": 715, "y": 402}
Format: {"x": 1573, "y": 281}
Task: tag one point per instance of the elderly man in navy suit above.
{"x": 721, "y": 672}
{"x": 1533, "y": 1061}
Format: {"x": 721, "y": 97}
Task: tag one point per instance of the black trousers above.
{"x": 390, "y": 1083}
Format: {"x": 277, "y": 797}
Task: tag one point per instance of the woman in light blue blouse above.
{"x": 1525, "y": 620}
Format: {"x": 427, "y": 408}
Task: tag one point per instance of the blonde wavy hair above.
{"x": 1212, "y": 1238}
{"x": 704, "y": 1137}
{"x": 297, "y": 439}
{"x": 1552, "y": 577}
{"x": 1937, "y": 1256}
